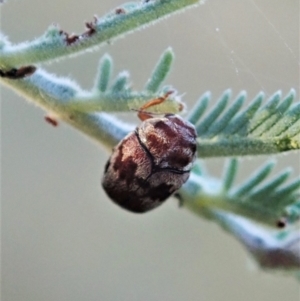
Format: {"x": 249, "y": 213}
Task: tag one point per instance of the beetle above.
{"x": 152, "y": 162}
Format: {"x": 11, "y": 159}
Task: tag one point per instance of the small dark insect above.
{"x": 120, "y": 11}
{"x": 51, "y": 120}
{"x": 19, "y": 73}
{"x": 281, "y": 223}
{"x": 70, "y": 39}
{"x": 152, "y": 162}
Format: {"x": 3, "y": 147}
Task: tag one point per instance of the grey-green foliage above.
{"x": 56, "y": 43}
{"x": 264, "y": 126}
{"x": 262, "y": 198}
{"x": 262, "y": 212}
{"x": 258, "y": 129}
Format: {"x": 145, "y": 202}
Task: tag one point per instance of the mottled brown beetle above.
{"x": 152, "y": 162}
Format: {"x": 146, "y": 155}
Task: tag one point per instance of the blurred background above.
{"x": 62, "y": 239}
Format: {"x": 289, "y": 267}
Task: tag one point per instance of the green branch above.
{"x": 272, "y": 128}
{"x": 81, "y": 109}
{"x": 224, "y": 131}
{"x": 267, "y": 202}
{"x": 55, "y": 43}
{"x": 273, "y": 251}
{"x": 248, "y": 210}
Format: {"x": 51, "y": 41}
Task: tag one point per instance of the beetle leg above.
{"x": 143, "y": 115}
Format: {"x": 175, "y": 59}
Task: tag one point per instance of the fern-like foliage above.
{"x": 55, "y": 42}
{"x": 268, "y": 201}
{"x": 66, "y": 100}
{"x": 263, "y": 127}
{"x": 249, "y": 209}
{"x": 272, "y": 250}
{"x": 260, "y": 128}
